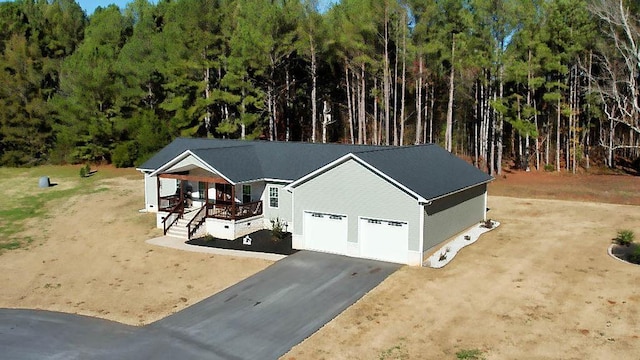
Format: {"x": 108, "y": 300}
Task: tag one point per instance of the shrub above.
{"x": 487, "y": 224}
{"x": 634, "y": 257}
{"x": 125, "y": 154}
{"x": 83, "y": 172}
{"x": 549, "y": 167}
{"x": 278, "y": 229}
{"x": 625, "y": 237}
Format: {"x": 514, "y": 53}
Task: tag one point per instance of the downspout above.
{"x": 485, "y": 204}
{"x": 157, "y": 193}
{"x": 422, "y": 206}
{"x": 421, "y": 232}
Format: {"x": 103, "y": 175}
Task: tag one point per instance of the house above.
{"x": 388, "y": 203}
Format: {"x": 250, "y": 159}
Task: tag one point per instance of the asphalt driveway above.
{"x": 261, "y": 317}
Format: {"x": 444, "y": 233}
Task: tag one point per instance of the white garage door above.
{"x": 384, "y": 240}
{"x": 325, "y": 232}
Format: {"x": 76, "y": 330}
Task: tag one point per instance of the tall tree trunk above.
{"x": 558, "y": 137}
{"x": 492, "y": 147}
{"x": 404, "y": 81}
{"x": 387, "y": 75}
{"x": 588, "y": 120}
{"x": 375, "y": 139}
{"x": 314, "y": 89}
{"x": 350, "y": 104}
{"x": 500, "y": 125}
{"x": 207, "y": 95}
{"x": 448, "y": 132}
{"x": 395, "y": 91}
{"x": 287, "y": 110}
{"x": 419, "y": 100}
{"x": 362, "y": 111}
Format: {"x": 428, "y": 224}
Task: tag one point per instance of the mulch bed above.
{"x": 623, "y": 252}
{"x": 261, "y": 241}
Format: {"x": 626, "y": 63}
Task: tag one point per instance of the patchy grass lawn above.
{"x": 79, "y": 247}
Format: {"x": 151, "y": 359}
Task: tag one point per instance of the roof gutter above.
{"x": 430, "y": 201}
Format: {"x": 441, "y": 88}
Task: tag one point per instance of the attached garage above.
{"x": 385, "y": 240}
{"x": 395, "y": 204}
{"x": 326, "y": 232}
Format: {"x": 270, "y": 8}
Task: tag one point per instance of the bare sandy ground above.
{"x": 541, "y": 286}
{"x": 90, "y": 257}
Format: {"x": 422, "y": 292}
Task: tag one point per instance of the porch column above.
{"x": 206, "y": 199}
{"x": 233, "y": 201}
{"x": 158, "y": 192}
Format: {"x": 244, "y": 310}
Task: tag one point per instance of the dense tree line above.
{"x": 547, "y": 83}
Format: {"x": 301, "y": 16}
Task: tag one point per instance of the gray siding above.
{"x": 353, "y": 190}
{"x": 450, "y": 215}
{"x": 283, "y": 211}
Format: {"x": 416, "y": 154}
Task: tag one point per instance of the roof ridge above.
{"x": 393, "y": 148}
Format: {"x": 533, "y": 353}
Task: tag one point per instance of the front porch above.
{"x": 208, "y": 200}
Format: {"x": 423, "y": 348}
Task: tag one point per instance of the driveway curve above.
{"x": 261, "y": 317}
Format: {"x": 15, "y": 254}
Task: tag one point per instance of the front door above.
{"x": 223, "y": 193}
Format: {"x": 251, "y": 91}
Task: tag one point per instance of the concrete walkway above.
{"x": 261, "y": 317}
{"x": 177, "y": 243}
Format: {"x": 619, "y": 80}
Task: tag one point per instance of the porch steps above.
{"x": 179, "y": 229}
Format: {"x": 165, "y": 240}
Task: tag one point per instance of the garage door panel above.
{"x": 384, "y": 240}
{"x": 326, "y": 232}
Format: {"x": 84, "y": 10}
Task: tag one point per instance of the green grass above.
{"x": 469, "y": 354}
{"x": 22, "y": 199}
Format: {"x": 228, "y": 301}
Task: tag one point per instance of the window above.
{"x": 246, "y": 193}
{"x": 201, "y": 189}
{"x": 273, "y": 197}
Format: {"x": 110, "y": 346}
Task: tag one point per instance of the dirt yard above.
{"x": 541, "y": 286}
{"x": 89, "y": 257}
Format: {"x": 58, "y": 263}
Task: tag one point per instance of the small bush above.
{"x": 278, "y": 229}
{"x": 83, "y": 172}
{"x": 549, "y": 167}
{"x": 625, "y": 237}
{"x": 208, "y": 238}
{"x": 634, "y": 257}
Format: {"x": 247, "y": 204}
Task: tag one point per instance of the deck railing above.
{"x": 177, "y": 210}
{"x": 197, "y": 220}
{"x": 242, "y": 211}
{"x": 168, "y": 202}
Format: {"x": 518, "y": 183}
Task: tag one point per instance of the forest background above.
{"x": 546, "y": 84}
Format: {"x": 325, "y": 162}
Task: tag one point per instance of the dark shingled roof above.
{"x": 427, "y": 170}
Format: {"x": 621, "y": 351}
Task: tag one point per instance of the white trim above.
{"x": 457, "y": 191}
{"x": 484, "y": 210}
{"x": 421, "y": 232}
{"x": 269, "y": 180}
{"x": 380, "y": 219}
{"x": 351, "y": 156}
{"x": 183, "y": 156}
